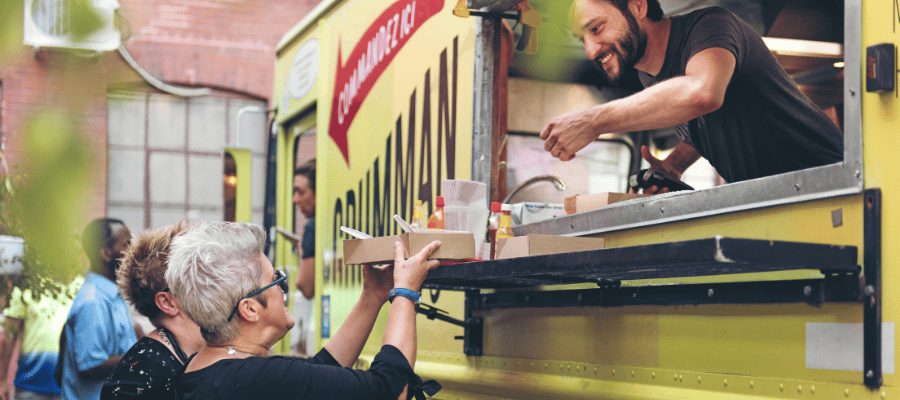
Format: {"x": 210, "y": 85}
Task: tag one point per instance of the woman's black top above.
{"x": 320, "y": 377}
{"x": 145, "y": 371}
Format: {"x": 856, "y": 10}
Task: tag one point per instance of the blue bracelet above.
{"x": 409, "y": 294}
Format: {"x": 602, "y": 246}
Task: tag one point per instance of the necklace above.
{"x": 162, "y": 334}
{"x": 232, "y": 351}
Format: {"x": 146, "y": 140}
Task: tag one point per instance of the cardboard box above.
{"x": 380, "y": 250}
{"x": 537, "y": 245}
{"x": 586, "y": 202}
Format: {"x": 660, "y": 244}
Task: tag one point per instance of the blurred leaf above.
{"x": 10, "y": 29}
{"x": 85, "y": 19}
{"x": 50, "y": 201}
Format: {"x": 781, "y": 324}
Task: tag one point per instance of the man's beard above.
{"x": 629, "y": 50}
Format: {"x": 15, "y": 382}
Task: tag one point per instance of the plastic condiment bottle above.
{"x": 504, "y": 230}
{"x": 418, "y": 218}
{"x": 436, "y": 221}
{"x": 493, "y": 224}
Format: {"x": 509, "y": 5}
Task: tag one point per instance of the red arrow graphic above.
{"x": 370, "y": 57}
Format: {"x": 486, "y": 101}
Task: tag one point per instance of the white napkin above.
{"x": 466, "y": 208}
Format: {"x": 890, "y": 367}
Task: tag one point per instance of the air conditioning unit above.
{"x": 48, "y": 23}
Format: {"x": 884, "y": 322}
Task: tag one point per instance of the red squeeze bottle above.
{"x": 436, "y": 221}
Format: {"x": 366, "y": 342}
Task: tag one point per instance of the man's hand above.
{"x": 568, "y": 133}
{"x": 661, "y": 165}
{"x": 675, "y": 164}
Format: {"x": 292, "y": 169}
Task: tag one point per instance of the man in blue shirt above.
{"x": 99, "y": 329}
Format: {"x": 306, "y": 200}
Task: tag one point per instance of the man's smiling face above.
{"x": 611, "y": 38}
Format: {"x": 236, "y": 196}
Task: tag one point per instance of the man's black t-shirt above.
{"x": 765, "y": 125}
{"x": 320, "y": 377}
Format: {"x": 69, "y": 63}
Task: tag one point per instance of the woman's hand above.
{"x": 378, "y": 282}
{"x": 410, "y": 273}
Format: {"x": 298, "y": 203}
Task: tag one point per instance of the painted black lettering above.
{"x": 350, "y": 219}
{"x": 446, "y": 122}
{"x": 336, "y": 223}
{"x": 404, "y": 174}
{"x": 366, "y": 199}
{"x": 425, "y": 173}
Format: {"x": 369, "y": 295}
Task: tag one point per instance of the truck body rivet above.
{"x": 710, "y": 293}
{"x": 807, "y": 291}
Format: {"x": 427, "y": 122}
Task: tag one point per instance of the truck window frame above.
{"x": 843, "y": 178}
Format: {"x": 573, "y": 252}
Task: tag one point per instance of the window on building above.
{"x": 166, "y": 155}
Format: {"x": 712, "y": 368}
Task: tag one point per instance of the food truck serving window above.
{"x": 818, "y": 61}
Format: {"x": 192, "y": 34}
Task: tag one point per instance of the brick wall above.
{"x": 225, "y": 44}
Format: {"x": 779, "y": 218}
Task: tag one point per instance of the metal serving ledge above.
{"x": 609, "y": 267}
{"x": 843, "y": 280}
{"x": 704, "y": 257}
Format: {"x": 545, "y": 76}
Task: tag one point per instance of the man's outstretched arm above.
{"x": 673, "y": 101}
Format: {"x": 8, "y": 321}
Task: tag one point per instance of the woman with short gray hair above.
{"x": 229, "y": 288}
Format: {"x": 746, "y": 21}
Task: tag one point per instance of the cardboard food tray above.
{"x": 586, "y": 202}
{"x": 537, "y": 245}
{"x": 380, "y": 250}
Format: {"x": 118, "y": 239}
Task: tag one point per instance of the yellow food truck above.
{"x": 777, "y": 287}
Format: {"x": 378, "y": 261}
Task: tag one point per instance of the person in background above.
{"x": 708, "y": 75}
{"x": 304, "y": 199}
{"x": 147, "y": 369}
{"x": 229, "y": 288}
{"x": 98, "y": 329}
{"x": 36, "y": 323}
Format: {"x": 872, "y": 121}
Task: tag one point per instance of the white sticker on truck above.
{"x": 839, "y": 346}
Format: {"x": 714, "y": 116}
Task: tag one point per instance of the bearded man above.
{"x": 708, "y": 75}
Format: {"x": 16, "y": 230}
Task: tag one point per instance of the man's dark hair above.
{"x": 98, "y": 235}
{"x": 654, "y": 10}
{"x": 308, "y": 169}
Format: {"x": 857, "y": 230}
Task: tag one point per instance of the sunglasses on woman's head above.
{"x": 280, "y": 280}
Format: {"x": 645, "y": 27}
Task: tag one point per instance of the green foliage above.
{"x": 10, "y": 28}
{"x": 43, "y": 200}
{"x": 46, "y": 205}
{"x": 85, "y": 20}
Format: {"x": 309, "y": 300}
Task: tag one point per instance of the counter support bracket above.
{"x": 872, "y": 288}
{"x": 473, "y": 338}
